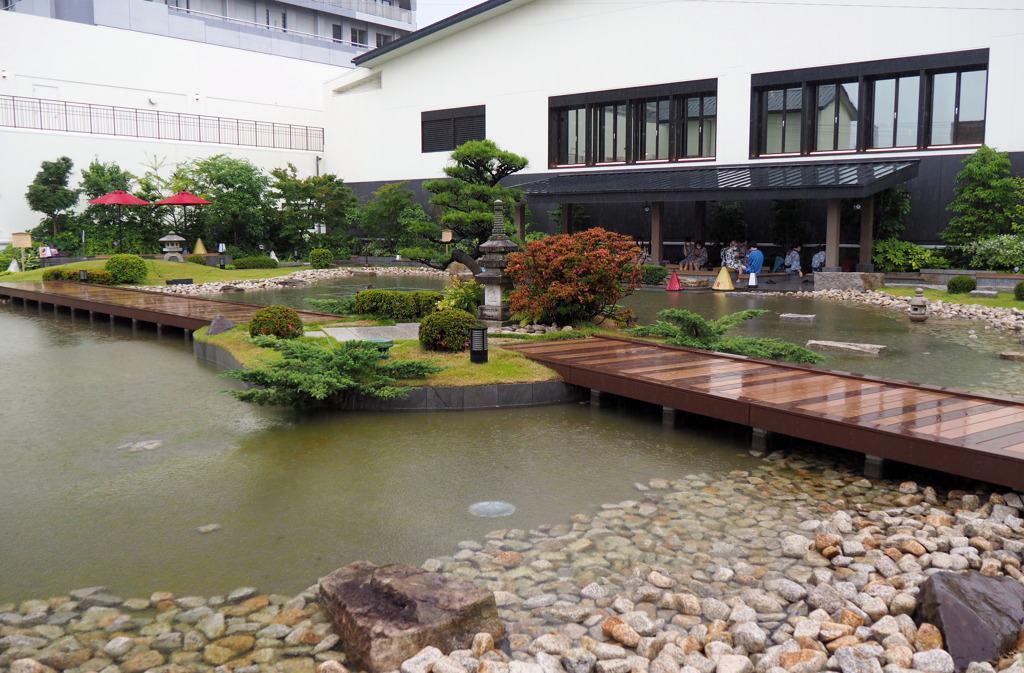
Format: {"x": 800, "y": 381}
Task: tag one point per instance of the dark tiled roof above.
{"x": 749, "y": 181}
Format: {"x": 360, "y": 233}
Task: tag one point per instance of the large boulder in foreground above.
{"x": 979, "y": 616}
{"x": 386, "y": 614}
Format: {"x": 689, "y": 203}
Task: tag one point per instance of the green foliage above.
{"x": 94, "y": 276}
{"x": 685, "y": 328}
{"x": 50, "y": 195}
{"x": 788, "y": 226}
{"x": 395, "y": 304}
{"x": 652, "y": 274}
{"x": 277, "y": 321}
{"x": 238, "y": 192}
{"x": 1018, "y": 291}
{"x": 986, "y": 198}
{"x": 310, "y": 374}
{"x": 465, "y": 296}
{"x": 1000, "y": 253}
{"x": 391, "y": 218}
{"x": 321, "y": 258}
{"x": 127, "y": 269}
{"x": 895, "y": 255}
{"x": 196, "y": 259}
{"x": 571, "y": 278}
{"x": 578, "y": 218}
{"x": 727, "y": 223}
{"x": 447, "y": 331}
{"x": 961, "y": 285}
{"x": 342, "y": 306}
{"x": 255, "y": 263}
{"x": 322, "y": 203}
{"x": 891, "y": 207}
{"x": 124, "y": 229}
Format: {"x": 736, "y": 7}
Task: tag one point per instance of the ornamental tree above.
{"x": 49, "y": 193}
{"x": 986, "y": 198}
{"x": 570, "y": 278}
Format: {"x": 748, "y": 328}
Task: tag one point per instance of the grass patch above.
{"x": 503, "y": 366}
{"x": 1004, "y": 300}
{"x": 234, "y": 341}
{"x": 160, "y": 271}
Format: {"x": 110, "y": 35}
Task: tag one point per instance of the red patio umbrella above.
{"x": 119, "y": 197}
{"x": 183, "y": 199}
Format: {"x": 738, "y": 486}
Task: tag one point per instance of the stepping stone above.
{"x": 985, "y": 294}
{"x": 797, "y": 317}
{"x": 1015, "y": 356}
{"x": 847, "y": 348}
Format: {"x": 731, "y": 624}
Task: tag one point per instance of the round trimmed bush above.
{"x": 279, "y": 321}
{"x": 447, "y": 331}
{"x": 321, "y": 258}
{"x": 196, "y": 259}
{"x": 1018, "y": 291}
{"x": 126, "y": 269}
{"x": 255, "y": 263}
{"x": 961, "y": 285}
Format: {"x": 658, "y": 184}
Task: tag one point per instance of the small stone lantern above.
{"x": 494, "y": 311}
{"x": 172, "y": 247}
{"x": 918, "y": 306}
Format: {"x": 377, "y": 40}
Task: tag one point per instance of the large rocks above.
{"x": 979, "y": 616}
{"x": 386, "y": 614}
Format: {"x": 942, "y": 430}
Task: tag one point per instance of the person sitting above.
{"x": 755, "y": 260}
{"x": 818, "y": 260}
{"x": 687, "y": 248}
{"x": 696, "y": 259}
{"x": 793, "y": 261}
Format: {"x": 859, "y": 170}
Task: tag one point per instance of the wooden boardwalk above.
{"x": 955, "y": 431}
{"x": 174, "y": 310}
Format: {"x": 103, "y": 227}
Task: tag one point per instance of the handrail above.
{"x": 263, "y": 26}
{"x": 70, "y": 117}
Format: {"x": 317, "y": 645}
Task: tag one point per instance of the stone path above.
{"x": 403, "y": 330}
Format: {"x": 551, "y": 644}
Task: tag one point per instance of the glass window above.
{"x": 783, "y": 114}
{"x": 958, "y": 108}
{"x": 572, "y": 136}
{"x": 895, "y": 113}
{"x": 836, "y": 117}
{"x": 699, "y": 116}
{"x": 611, "y": 133}
{"x": 655, "y": 130}
{"x": 970, "y": 125}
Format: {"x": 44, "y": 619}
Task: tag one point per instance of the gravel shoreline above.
{"x": 797, "y": 566}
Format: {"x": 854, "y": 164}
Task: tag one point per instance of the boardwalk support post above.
{"x": 601, "y": 399}
{"x": 670, "y": 417}
{"x": 760, "y": 439}
{"x": 874, "y": 466}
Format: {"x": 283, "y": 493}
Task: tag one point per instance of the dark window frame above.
{"x": 444, "y": 130}
{"x": 590, "y": 105}
{"x": 866, "y": 74}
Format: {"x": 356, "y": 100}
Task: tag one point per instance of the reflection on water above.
{"x": 297, "y": 496}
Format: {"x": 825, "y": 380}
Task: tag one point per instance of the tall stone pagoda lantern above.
{"x": 494, "y": 311}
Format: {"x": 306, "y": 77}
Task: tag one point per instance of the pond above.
{"x": 120, "y": 446}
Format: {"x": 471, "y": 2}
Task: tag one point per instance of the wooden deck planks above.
{"x": 977, "y": 435}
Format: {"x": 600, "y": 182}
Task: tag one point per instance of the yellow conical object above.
{"x": 200, "y": 249}
{"x": 724, "y": 280}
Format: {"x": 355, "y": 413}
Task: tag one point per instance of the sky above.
{"x": 432, "y": 11}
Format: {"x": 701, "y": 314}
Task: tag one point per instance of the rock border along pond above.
{"x": 796, "y": 566}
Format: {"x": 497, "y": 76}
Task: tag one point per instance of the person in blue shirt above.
{"x": 755, "y": 259}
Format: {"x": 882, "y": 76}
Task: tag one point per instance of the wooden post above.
{"x": 519, "y": 218}
{"x": 867, "y": 229}
{"x": 657, "y": 235}
{"x": 832, "y": 234}
{"x": 566, "y": 218}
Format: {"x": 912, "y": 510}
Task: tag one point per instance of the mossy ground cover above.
{"x": 1004, "y": 300}
{"x": 160, "y": 271}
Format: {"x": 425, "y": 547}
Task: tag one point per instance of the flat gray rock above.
{"x": 847, "y": 348}
{"x": 403, "y": 330}
{"x": 985, "y": 294}
{"x": 797, "y": 317}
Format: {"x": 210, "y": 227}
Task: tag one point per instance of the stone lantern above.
{"x": 172, "y": 247}
{"x": 918, "y": 306}
{"x": 494, "y": 311}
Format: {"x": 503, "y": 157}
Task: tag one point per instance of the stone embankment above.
{"x": 796, "y": 566}
{"x": 1007, "y": 319}
{"x": 296, "y": 279}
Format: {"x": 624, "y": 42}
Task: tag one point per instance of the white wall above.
{"x": 93, "y": 64}
{"x": 514, "y": 62}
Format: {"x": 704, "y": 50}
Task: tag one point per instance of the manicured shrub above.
{"x": 94, "y": 276}
{"x": 465, "y": 296}
{"x": 1018, "y": 291}
{"x": 99, "y": 277}
{"x": 653, "y": 274}
{"x": 892, "y": 254}
{"x": 447, "y": 331}
{"x": 56, "y": 273}
{"x": 961, "y": 285}
{"x": 342, "y": 306}
{"x": 396, "y": 305}
{"x": 196, "y": 259}
{"x": 255, "y": 263}
{"x": 126, "y": 269}
{"x": 321, "y": 258}
{"x": 570, "y": 278}
{"x": 279, "y": 321}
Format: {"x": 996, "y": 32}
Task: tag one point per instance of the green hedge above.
{"x": 340, "y": 306}
{"x": 94, "y": 276}
{"x": 961, "y": 285}
{"x": 321, "y": 258}
{"x": 395, "y": 304}
{"x": 255, "y": 263}
{"x": 127, "y": 269}
{"x": 447, "y": 331}
{"x": 1018, "y": 291}
{"x": 196, "y": 259}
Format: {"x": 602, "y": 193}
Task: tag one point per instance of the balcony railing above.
{"x": 263, "y": 26}
{"x": 382, "y": 9}
{"x": 55, "y": 115}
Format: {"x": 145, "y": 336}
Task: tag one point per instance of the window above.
{"x": 359, "y": 36}
{"x": 669, "y": 122}
{"x": 284, "y": 20}
{"x": 336, "y": 33}
{"x": 905, "y": 103}
{"x": 444, "y": 130}
{"x": 383, "y": 39}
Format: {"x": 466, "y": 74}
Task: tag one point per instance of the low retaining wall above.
{"x": 987, "y": 280}
{"x": 429, "y": 398}
{"x": 845, "y": 280}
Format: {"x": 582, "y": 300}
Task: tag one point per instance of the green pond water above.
{"x": 118, "y": 445}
